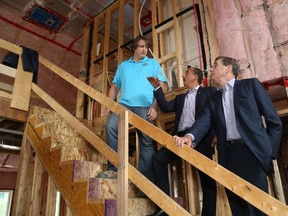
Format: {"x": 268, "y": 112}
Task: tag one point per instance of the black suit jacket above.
{"x": 251, "y": 102}
{"x": 177, "y": 105}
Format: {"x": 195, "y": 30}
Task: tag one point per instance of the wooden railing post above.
{"x": 122, "y": 177}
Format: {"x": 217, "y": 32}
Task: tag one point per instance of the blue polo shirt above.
{"x": 131, "y": 78}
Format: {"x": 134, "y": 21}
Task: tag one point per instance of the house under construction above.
{"x": 52, "y": 123}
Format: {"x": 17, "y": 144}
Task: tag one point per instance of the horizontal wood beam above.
{"x": 8, "y": 71}
{"x": 10, "y": 113}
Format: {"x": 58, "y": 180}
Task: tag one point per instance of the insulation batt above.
{"x": 263, "y": 39}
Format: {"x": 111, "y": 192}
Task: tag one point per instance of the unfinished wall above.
{"x": 254, "y": 32}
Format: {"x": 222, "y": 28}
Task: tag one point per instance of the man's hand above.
{"x": 107, "y": 112}
{"x": 154, "y": 81}
{"x": 182, "y": 141}
{"x": 152, "y": 114}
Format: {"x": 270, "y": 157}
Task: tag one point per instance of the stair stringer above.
{"x": 74, "y": 193}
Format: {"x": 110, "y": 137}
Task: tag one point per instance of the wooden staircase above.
{"x": 73, "y": 166}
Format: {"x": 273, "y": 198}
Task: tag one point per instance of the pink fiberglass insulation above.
{"x": 261, "y": 45}
{"x": 229, "y": 30}
{"x": 230, "y": 33}
{"x": 278, "y": 11}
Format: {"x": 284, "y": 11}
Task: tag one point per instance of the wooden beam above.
{"x": 165, "y": 27}
{"x": 10, "y": 47}
{"x": 154, "y": 33}
{"x": 121, "y": 31}
{"x": 6, "y": 95}
{"x": 36, "y": 188}
{"x": 22, "y": 178}
{"x": 6, "y": 87}
{"x": 106, "y": 59}
{"x": 167, "y": 57}
{"x": 83, "y": 71}
{"x": 136, "y": 17}
{"x": 122, "y": 173}
{"x": 51, "y": 197}
{"x": 22, "y": 87}
{"x": 178, "y": 44}
{"x": 209, "y": 32}
{"x": 8, "y": 71}
{"x": 10, "y": 113}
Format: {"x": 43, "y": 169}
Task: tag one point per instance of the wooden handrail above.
{"x": 244, "y": 189}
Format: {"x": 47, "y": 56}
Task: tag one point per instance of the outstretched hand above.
{"x": 154, "y": 81}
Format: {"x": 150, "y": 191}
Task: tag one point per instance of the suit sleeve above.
{"x": 163, "y": 104}
{"x": 272, "y": 120}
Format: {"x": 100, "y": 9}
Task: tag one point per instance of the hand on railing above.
{"x": 107, "y": 112}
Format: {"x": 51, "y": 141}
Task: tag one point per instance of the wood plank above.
{"x": 10, "y": 113}
{"x": 247, "y": 191}
{"x": 22, "y": 178}
{"x": 162, "y": 43}
{"x": 83, "y": 71}
{"x": 122, "y": 174}
{"x": 6, "y": 95}
{"x": 22, "y": 87}
{"x": 51, "y": 197}
{"x": 31, "y": 168}
{"x": 154, "y": 33}
{"x": 120, "y": 31}
{"x": 178, "y": 44}
{"x": 192, "y": 188}
{"x": 209, "y": 31}
{"x": 8, "y": 71}
{"x": 36, "y": 187}
{"x": 136, "y": 18}
{"x": 167, "y": 57}
{"x": 106, "y": 59}
{"x": 6, "y": 87}
{"x": 165, "y": 27}
{"x": 10, "y": 47}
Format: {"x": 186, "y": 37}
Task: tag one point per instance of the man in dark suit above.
{"x": 245, "y": 146}
{"x": 187, "y": 107}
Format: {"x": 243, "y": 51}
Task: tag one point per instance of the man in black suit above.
{"x": 245, "y": 146}
{"x": 187, "y": 107}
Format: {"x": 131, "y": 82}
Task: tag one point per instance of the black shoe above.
{"x": 159, "y": 212}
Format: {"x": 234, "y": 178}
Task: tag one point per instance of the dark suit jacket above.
{"x": 177, "y": 105}
{"x": 251, "y": 102}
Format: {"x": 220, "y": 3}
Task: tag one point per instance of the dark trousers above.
{"x": 241, "y": 161}
{"x": 162, "y": 158}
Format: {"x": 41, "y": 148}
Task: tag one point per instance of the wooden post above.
{"x": 36, "y": 187}
{"x": 22, "y": 178}
{"x": 105, "y": 58}
{"x": 83, "y": 72}
{"x": 122, "y": 178}
{"x": 22, "y": 87}
{"x": 51, "y": 198}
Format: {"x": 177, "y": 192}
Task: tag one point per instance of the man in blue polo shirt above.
{"x": 137, "y": 96}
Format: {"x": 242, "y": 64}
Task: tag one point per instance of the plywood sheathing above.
{"x": 260, "y": 28}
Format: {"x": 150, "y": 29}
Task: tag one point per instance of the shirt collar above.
{"x": 142, "y": 60}
{"x": 229, "y": 85}
{"x": 193, "y": 90}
